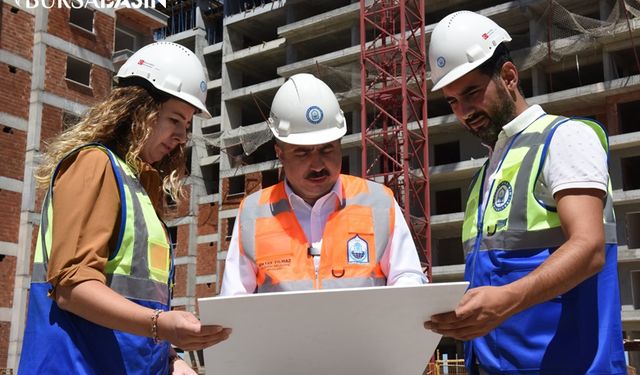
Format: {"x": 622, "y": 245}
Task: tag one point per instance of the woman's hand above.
{"x": 184, "y": 330}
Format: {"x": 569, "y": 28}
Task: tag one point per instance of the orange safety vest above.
{"x": 354, "y": 240}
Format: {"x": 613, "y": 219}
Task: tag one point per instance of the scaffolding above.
{"x": 446, "y": 366}
{"x": 238, "y": 6}
{"x": 191, "y": 14}
{"x": 393, "y": 99}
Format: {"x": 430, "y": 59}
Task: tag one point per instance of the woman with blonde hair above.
{"x": 103, "y": 268}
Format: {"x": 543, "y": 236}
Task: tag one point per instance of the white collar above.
{"x": 522, "y": 121}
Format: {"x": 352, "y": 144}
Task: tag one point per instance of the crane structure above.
{"x": 394, "y": 109}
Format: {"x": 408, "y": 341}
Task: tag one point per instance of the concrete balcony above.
{"x": 148, "y": 18}
{"x": 118, "y": 58}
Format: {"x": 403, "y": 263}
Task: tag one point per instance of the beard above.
{"x": 498, "y": 115}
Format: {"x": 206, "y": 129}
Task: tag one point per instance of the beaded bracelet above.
{"x": 154, "y": 325}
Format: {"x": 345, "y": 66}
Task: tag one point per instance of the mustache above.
{"x": 316, "y": 174}
{"x": 472, "y": 117}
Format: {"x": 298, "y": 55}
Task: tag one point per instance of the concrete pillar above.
{"x": 356, "y": 123}
{"x": 28, "y": 215}
{"x": 613, "y": 120}
{"x": 538, "y": 77}
{"x": 291, "y": 53}
{"x": 199, "y": 20}
{"x": 607, "y": 62}
{"x": 230, "y": 115}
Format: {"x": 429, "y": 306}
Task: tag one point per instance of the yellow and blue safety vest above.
{"x": 512, "y": 234}
{"x": 140, "y": 268}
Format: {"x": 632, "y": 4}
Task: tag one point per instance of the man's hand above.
{"x": 480, "y": 311}
{"x": 180, "y": 367}
{"x": 581, "y": 256}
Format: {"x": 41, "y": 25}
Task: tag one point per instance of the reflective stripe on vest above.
{"x": 272, "y": 239}
{"x": 514, "y": 218}
{"x": 514, "y": 234}
{"x": 140, "y": 265}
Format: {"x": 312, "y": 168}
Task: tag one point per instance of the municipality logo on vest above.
{"x": 502, "y": 196}
{"x": 358, "y": 250}
{"x": 97, "y": 4}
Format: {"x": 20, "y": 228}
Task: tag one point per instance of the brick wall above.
{"x": 183, "y": 204}
{"x": 205, "y": 290}
{"x": 8, "y": 269}
{"x": 223, "y": 230}
{"x": 206, "y": 260}
{"x": 14, "y": 96}
{"x": 182, "y": 240}
{"x": 100, "y": 41}
{"x": 55, "y": 70}
{"x": 126, "y": 18}
{"x": 10, "y": 208}
{"x": 16, "y": 37}
{"x": 207, "y": 219}
{"x": 12, "y": 146}
{"x": 51, "y": 124}
{"x": 16, "y": 31}
{"x": 34, "y": 239}
{"x": 180, "y": 289}
{"x": 181, "y": 208}
{"x": 252, "y": 182}
{"x": 229, "y": 201}
{"x": 5, "y": 327}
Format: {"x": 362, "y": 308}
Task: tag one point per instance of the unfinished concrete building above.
{"x": 577, "y": 57}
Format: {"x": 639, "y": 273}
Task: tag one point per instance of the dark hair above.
{"x": 156, "y": 94}
{"x": 493, "y": 66}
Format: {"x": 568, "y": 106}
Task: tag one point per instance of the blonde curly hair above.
{"x": 124, "y": 120}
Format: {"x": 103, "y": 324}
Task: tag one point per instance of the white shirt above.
{"x": 575, "y": 159}
{"x": 400, "y": 262}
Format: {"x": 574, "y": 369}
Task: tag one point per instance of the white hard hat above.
{"x": 170, "y": 68}
{"x": 305, "y": 111}
{"x": 461, "y": 42}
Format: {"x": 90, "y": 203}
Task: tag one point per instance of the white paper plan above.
{"x": 360, "y": 331}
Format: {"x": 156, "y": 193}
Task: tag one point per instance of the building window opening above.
{"x": 78, "y": 71}
{"x": 81, "y": 17}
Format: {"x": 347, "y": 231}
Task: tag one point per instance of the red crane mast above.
{"x": 394, "y": 109}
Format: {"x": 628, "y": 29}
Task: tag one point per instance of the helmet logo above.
{"x": 145, "y": 63}
{"x": 441, "y": 62}
{"x": 203, "y": 86}
{"x": 314, "y": 114}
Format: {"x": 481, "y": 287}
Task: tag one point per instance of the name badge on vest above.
{"x": 357, "y": 250}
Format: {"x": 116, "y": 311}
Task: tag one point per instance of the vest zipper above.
{"x": 316, "y": 266}
{"x": 315, "y": 253}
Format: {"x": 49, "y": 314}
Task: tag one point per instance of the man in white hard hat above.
{"x": 539, "y": 232}
{"x": 317, "y": 229}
